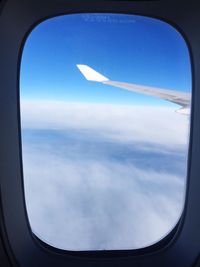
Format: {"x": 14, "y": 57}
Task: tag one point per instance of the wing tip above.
{"x": 91, "y": 74}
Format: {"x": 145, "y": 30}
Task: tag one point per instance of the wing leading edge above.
{"x": 177, "y": 97}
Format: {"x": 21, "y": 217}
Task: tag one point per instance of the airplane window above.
{"x": 105, "y": 115}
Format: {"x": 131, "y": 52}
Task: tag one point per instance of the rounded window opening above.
{"x": 105, "y": 104}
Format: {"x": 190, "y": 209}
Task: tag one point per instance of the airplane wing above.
{"x": 180, "y": 98}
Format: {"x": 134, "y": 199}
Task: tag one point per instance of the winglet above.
{"x": 90, "y": 74}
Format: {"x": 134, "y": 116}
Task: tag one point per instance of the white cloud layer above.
{"x": 103, "y": 176}
{"x": 160, "y": 125}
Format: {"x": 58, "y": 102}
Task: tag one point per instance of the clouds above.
{"x": 122, "y": 123}
{"x": 103, "y": 176}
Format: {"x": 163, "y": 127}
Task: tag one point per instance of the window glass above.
{"x": 105, "y": 114}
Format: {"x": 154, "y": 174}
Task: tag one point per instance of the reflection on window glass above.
{"x": 105, "y": 104}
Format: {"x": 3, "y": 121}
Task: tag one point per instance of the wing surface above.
{"x": 180, "y": 98}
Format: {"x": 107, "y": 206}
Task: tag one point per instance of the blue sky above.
{"x": 122, "y": 47}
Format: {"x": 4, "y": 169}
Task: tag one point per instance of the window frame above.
{"x": 182, "y": 246}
